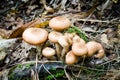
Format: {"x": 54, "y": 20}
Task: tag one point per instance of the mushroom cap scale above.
{"x": 35, "y": 36}
{"x": 59, "y": 23}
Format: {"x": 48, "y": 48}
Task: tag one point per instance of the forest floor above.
{"x": 93, "y": 20}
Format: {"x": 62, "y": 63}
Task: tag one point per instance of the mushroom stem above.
{"x": 53, "y": 58}
{"x": 58, "y": 50}
{"x": 63, "y": 41}
{"x": 39, "y": 50}
{"x": 64, "y": 51}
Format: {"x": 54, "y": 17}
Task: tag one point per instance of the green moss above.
{"x": 11, "y": 76}
{"x": 95, "y": 73}
{"x": 78, "y": 31}
{"x": 27, "y": 65}
{"x": 19, "y": 65}
{"x": 56, "y": 74}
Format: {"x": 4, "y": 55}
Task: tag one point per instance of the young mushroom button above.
{"x": 48, "y": 52}
{"x": 59, "y": 23}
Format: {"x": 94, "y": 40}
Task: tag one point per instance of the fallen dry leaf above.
{"x": 35, "y": 23}
{"x": 104, "y": 39}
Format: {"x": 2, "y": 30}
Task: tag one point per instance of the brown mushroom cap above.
{"x": 53, "y": 36}
{"x": 79, "y": 48}
{"x": 77, "y": 39}
{"x": 59, "y": 23}
{"x": 48, "y": 52}
{"x": 35, "y": 35}
{"x": 70, "y": 58}
{"x": 95, "y": 47}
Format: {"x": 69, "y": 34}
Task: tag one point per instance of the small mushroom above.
{"x": 48, "y": 52}
{"x": 63, "y": 41}
{"x": 53, "y": 37}
{"x": 79, "y": 48}
{"x": 95, "y": 47}
{"x": 70, "y": 58}
{"x": 59, "y": 23}
{"x": 35, "y": 36}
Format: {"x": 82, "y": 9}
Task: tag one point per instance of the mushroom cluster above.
{"x": 80, "y": 48}
{"x": 68, "y": 47}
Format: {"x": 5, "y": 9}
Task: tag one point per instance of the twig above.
{"x": 36, "y": 76}
{"x": 67, "y": 75}
{"x": 116, "y": 59}
{"x": 82, "y": 64}
{"x": 60, "y": 14}
{"x": 93, "y": 20}
{"x": 42, "y": 62}
{"x": 87, "y": 19}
